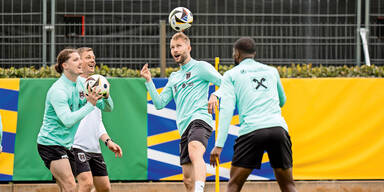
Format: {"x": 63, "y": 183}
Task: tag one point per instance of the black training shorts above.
{"x": 249, "y": 148}
{"x": 86, "y": 161}
{"x": 49, "y": 153}
{"x": 197, "y": 130}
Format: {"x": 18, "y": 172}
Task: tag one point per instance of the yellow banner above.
{"x": 336, "y": 126}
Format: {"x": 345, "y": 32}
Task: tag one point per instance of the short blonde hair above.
{"x": 181, "y": 35}
{"x": 81, "y": 50}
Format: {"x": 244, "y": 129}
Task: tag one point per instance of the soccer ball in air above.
{"x": 180, "y": 18}
{"x": 99, "y": 82}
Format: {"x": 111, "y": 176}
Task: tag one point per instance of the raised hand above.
{"x": 145, "y": 73}
{"x": 93, "y": 96}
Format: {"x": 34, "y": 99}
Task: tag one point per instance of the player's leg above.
{"x": 188, "y": 177}
{"x": 83, "y": 171}
{"x": 99, "y": 172}
{"x": 58, "y": 184}
{"x": 285, "y": 179}
{"x": 60, "y": 162}
{"x": 185, "y": 162}
{"x": 85, "y": 181}
{"x": 198, "y": 137}
{"x": 238, "y": 176}
{"x": 196, "y": 151}
{"x": 280, "y": 157}
{"x": 61, "y": 170}
{"x": 248, "y": 153}
{"x": 102, "y": 183}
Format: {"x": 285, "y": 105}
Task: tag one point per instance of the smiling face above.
{"x": 180, "y": 50}
{"x": 89, "y": 63}
{"x": 73, "y": 65}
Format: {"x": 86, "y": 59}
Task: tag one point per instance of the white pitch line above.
{"x": 175, "y": 160}
{"x": 165, "y": 112}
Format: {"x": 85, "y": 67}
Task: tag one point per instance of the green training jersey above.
{"x": 257, "y": 92}
{"x": 65, "y": 106}
{"x": 189, "y": 87}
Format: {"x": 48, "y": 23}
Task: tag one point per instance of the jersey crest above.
{"x": 259, "y": 83}
{"x": 81, "y": 157}
{"x": 81, "y": 95}
{"x": 187, "y": 75}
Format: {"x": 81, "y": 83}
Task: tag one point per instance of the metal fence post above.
{"x": 367, "y": 13}
{"x": 358, "y": 24}
{"x": 44, "y": 31}
{"x": 53, "y": 36}
{"x": 162, "y": 48}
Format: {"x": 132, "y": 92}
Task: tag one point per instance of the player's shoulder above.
{"x": 174, "y": 74}
{"x": 202, "y": 64}
{"x": 273, "y": 70}
{"x": 57, "y": 90}
{"x": 267, "y": 67}
{"x": 58, "y": 85}
{"x": 229, "y": 73}
{"x": 236, "y": 69}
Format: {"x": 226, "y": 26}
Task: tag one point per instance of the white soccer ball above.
{"x": 180, "y": 18}
{"x": 98, "y": 82}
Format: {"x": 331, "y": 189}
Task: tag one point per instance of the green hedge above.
{"x": 292, "y": 71}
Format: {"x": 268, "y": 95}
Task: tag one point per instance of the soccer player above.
{"x": 189, "y": 88}
{"x": 90, "y": 166}
{"x": 65, "y": 105}
{"x": 258, "y": 93}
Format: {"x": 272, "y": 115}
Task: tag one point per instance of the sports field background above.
{"x": 336, "y": 126}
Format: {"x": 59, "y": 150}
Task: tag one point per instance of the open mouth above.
{"x": 177, "y": 57}
{"x": 91, "y": 65}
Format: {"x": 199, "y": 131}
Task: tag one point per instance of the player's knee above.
{"x": 285, "y": 179}
{"x": 69, "y": 186}
{"x": 288, "y": 186}
{"x": 86, "y": 185}
{"x": 188, "y": 182}
{"x": 234, "y": 185}
{"x": 193, "y": 146}
{"x": 195, "y": 149}
{"x": 105, "y": 188}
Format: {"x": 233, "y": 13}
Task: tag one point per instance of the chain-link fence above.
{"x": 125, "y": 33}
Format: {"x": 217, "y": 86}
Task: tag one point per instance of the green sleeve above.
{"x": 280, "y": 90}
{"x": 227, "y": 106}
{"x": 160, "y": 101}
{"x": 209, "y": 73}
{"x": 59, "y": 101}
{"x": 105, "y": 104}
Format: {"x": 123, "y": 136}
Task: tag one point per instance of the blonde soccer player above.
{"x": 189, "y": 88}
{"x": 91, "y": 169}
